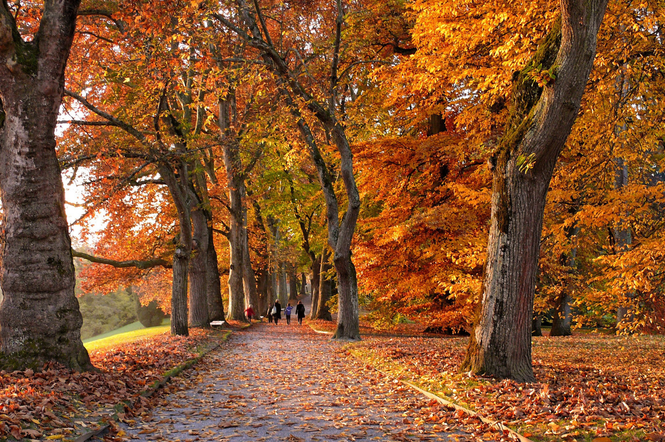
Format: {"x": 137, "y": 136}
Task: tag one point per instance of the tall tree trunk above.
{"x": 179, "y": 190}
{"x": 282, "y": 291}
{"x": 249, "y": 277}
{"x": 215, "y": 302}
{"x": 303, "y": 285}
{"x": 233, "y": 165}
{"x": 236, "y": 292}
{"x": 293, "y": 284}
{"x": 198, "y": 275}
{"x": 539, "y": 123}
{"x": 39, "y": 315}
{"x": 536, "y": 326}
{"x": 325, "y": 289}
{"x": 562, "y": 319}
{"x": 316, "y": 282}
{"x": 263, "y": 278}
{"x": 622, "y": 234}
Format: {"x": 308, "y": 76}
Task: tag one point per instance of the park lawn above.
{"x": 590, "y": 387}
{"x": 121, "y": 339}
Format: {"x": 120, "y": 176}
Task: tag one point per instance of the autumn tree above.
{"x": 169, "y": 154}
{"x": 249, "y": 23}
{"x": 545, "y": 100}
{"x": 39, "y": 314}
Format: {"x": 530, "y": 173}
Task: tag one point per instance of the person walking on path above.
{"x": 300, "y": 311}
{"x": 249, "y": 312}
{"x": 277, "y": 312}
{"x": 269, "y": 314}
{"x": 287, "y": 312}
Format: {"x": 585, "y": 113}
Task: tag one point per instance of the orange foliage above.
{"x": 422, "y": 235}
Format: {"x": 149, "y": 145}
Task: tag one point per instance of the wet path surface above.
{"x": 289, "y": 383}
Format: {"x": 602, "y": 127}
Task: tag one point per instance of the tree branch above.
{"x": 142, "y": 265}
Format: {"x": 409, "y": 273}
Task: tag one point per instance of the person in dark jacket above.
{"x": 269, "y": 314}
{"x": 278, "y": 312}
{"x": 300, "y": 311}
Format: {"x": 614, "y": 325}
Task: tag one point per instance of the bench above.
{"x": 217, "y": 323}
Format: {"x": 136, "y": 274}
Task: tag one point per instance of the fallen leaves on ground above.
{"x": 588, "y": 385}
{"x": 56, "y": 402}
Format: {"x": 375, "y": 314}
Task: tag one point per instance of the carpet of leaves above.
{"x": 57, "y": 403}
{"x": 590, "y": 386}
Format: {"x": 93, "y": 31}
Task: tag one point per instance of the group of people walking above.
{"x": 274, "y": 313}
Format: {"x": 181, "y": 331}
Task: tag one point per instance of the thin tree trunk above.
{"x": 293, "y": 285}
{"x": 562, "y": 319}
{"x": 622, "y": 234}
{"x": 303, "y": 285}
{"x": 539, "y": 123}
{"x": 536, "y": 326}
{"x": 39, "y": 315}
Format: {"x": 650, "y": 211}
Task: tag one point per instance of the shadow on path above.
{"x": 289, "y": 383}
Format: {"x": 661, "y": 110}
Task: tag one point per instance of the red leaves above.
{"x": 56, "y": 401}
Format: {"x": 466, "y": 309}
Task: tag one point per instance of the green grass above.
{"x": 128, "y": 333}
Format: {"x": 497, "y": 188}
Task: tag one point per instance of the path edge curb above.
{"x": 443, "y": 401}
{"x": 150, "y": 391}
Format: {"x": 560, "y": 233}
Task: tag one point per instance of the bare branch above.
{"x": 142, "y": 265}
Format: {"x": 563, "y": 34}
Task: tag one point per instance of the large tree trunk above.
{"x": 178, "y": 188}
{"x": 233, "y": 165}
{"x": 215, "y": 302}
{"x": 248, "y": 274}
{"x": 539, "y": 123}
{"x": 321, "y": 310}
{"x": 236, "y": 292}
{"x": 316, "y": 281}
{"x": 39, "y": 315}
{"x": 198, "y": 275}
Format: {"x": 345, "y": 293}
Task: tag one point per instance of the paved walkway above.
{"x": 289, "y": 383}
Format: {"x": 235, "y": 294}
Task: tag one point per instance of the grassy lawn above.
{"x": 128, "y": 333}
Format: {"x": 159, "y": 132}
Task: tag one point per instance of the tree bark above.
{"x": 39, "y": 314}
{"x": 198, "y": 274}
{"x": 303, "y": 285}
{"x": 293, "y": 284}
{"x": 325, "y": 290}
{"x": 215, "y": 302}
{"x": 536, "y": 326}
{"x": 248, "y": 274}
{"x": 236, "y": 267}
{"x": 538, "y": 126}
{"x": 316, "y": 282}
{"x": 179, "y": 193}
